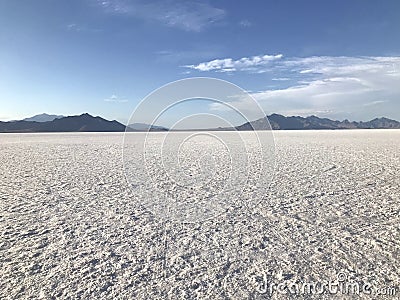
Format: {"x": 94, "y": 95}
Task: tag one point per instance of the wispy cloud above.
{"x": 81, "y": 28}
{"x": 230, "y": 65}
{"x": 281, "y": 79}
{"x": 116, "y": 99}
{"x": 73, "y": 27}
{"x": 339, "y": 86}
{"x": 185, "y": 15}
{"x": 377, "y": 102}
{"x": 182, "y": 56}
{"x": 245, "y": 23}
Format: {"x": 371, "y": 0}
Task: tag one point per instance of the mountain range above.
{"x": 279, "y": 122}
{"x": 88, "y": 123}
{"x": 81, "y": 123}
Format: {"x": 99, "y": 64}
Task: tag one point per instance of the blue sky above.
{"x": 338, "y": 59}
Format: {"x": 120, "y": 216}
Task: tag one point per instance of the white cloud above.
{"x": 375, "y": 102}
{"x": 81, "y": 28}
{"x": 334, "y": 86}
{"x": 116, "y": 99}
{"x": 281, "y": 79}
{"x": 185, "y": 15}
{"x": 245, "y": 23}
{"x": 231, "y": 65}
{"x": 73, "y": 27}
{"x": 179, "y": 56}
{"x": 323, "y": 91}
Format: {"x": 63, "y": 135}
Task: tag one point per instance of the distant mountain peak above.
{"x": 43, "y": 118}
{"x": 146, "y": 127}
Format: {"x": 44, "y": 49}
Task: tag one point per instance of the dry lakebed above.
{"x": 74, "y": 226}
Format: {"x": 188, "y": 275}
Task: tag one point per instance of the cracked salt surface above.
{"x": 71, "y": 227}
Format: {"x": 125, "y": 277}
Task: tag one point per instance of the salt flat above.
{"x": 72, "y": 224}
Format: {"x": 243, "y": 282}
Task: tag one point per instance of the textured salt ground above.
{"x": 71, "y": 227}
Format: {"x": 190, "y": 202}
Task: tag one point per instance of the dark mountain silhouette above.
{"x": 279, "y": 122}
{"x": 82, "y": 123}
{"x": 88, "y": 123}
